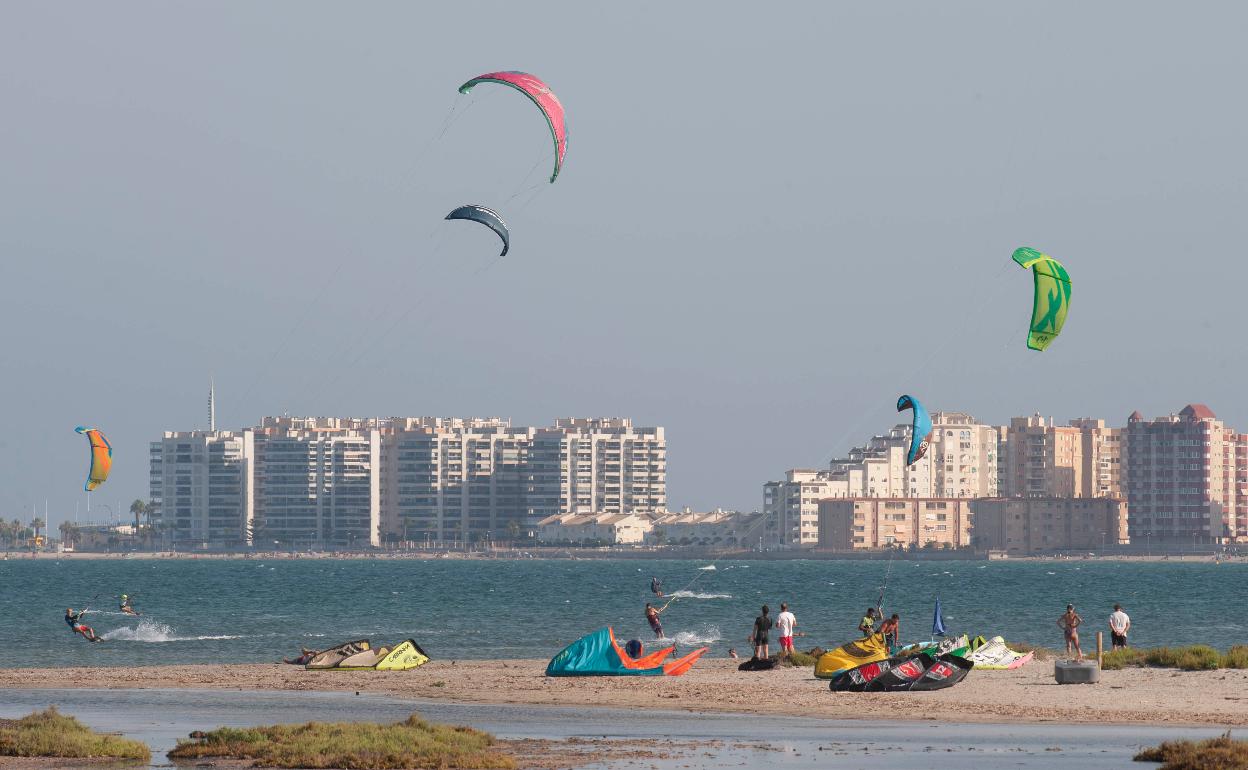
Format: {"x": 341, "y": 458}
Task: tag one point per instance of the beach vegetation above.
{"x": 53, "y": 734}
{"x": 799, "y": 659}
{"x": 1196, "y": 657}
{"x": 412, "y": 743}
{"x": 1223, "y": 752}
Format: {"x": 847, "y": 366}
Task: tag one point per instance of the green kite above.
{"x": 1052, "y": 300}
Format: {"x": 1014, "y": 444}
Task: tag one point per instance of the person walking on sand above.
{"x": 652, "y": 617}
{"x": 759, "y": 635}
{"x": 785, "y": 623}
{"x": 1069, "y": 622}
{"x": 1119, "y": 625}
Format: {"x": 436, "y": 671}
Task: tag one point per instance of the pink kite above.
{"x": 533, "y": 87}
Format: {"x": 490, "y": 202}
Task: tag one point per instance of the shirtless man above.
{"x": 1069, "y": 622}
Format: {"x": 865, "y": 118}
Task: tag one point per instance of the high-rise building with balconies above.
{"x": 1187, "y": 478}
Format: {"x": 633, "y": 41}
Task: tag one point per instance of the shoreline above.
{"x": 588, "y": 555}
{"x": 1026, "y": 696}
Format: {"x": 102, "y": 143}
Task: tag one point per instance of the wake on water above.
{"x": 694, "y": 638}
{"x": 152, "y": 631}
{"x": 692, "y": 595}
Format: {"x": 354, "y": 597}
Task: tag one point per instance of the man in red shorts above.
{"x": 785, "y": 622}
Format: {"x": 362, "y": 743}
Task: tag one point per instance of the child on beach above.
{"x": 1069, "y": 622}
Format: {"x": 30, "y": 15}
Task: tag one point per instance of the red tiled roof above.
{"x": 1198, "y": 412}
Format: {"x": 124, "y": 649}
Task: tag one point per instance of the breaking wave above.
{"x": 151, "y": 631}
{"x": 707, "y": 567}
{"x": 694, "y": 595}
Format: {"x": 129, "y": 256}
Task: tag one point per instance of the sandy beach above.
{"x": 1029, "y": 695}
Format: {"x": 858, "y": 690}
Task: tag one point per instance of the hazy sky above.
{"x": 773, "y": 220}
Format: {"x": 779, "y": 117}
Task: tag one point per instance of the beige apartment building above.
{"x": 872, "y": 522}
{"x": 1045, "y": 524}
{"x": 1187, "y": 478}
{"x": 961, "y": 462}
{"x": 1081, "y": 459}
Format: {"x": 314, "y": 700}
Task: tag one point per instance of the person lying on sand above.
{"x": 305, "y": 657}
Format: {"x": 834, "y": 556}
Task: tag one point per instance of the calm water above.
{"x": 258, "y": 610}
{"x": 160, "y": 718}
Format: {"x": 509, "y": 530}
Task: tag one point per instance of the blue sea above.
{"x": 259, "y": 610}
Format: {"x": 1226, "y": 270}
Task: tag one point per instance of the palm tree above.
{"x": 137, "y": 508}
{"x": 37, "y": 524}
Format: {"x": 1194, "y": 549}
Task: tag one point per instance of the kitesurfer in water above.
{"x": 656, "y": 587}
{"x": 74, "y": 621}
{"x": 1069, "y": 622}
{"x": 126, "y": 607}
{"x": 652, "y": 617}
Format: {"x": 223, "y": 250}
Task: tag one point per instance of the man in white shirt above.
{"x": 786, "y": 621}
{"x": 1119, "y": 624}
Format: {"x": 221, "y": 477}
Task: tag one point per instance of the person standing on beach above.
{"x": 1119, "y": 625}
{"x": 891, "y": 629}
{"x": 785, "y": 622}
{"x": 759, "y": 636}
{"x": 1069, "y": 622}
{"x": 867, "y": 624}
{"x": 652, "y": 617}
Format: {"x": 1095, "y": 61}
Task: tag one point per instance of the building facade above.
{"x": 961, "y": 463}
{"x": 894, "y": 522}
{"x": 302, "y": 482}
{"x": 1187, "y": 478}
{"x": 1045, "y": 524}
{"x": 1042, "y": 459}
{"x": 201, "y": 484}
{"x": 715, "y": 529}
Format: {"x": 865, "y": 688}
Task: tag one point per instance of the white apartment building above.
{"x": 316, "y": 482}
{"x": 201, "y": 482}
{"x": 961, "y": 462}
{"x": 325, "y": 482}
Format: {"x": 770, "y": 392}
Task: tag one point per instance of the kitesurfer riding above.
{"x": 126, "y": 607}
{"x": 656, "y": 587}
{"x": 652, "y": 617}
{"x": 74, "y": 621}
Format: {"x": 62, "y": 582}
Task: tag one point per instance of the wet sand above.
{"x": 1028, "y": 695}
